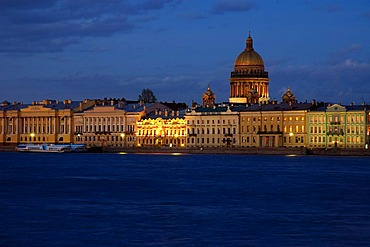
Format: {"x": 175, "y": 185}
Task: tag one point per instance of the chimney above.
{"x": 81, "y": 106}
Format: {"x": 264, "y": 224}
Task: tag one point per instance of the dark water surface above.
{"x": 185, "y": 200}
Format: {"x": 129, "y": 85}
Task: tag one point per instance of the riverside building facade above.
{"x": 163, "y": 125}
{"x": 216, "y": 126}
{"x": 110, "y": 123}
{"x": 339, "y": 126}
{"x": 48, "y": 121}
{"x": 275, "y": 124}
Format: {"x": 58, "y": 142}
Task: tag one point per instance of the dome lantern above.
{"x": 249, "y": 43}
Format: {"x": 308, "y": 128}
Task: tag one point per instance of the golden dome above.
{"x": 249, "y": 57}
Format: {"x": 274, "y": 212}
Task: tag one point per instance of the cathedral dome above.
{"x": 249, "y": 57}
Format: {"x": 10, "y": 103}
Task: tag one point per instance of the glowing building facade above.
{"x": 274, "y": 125}
{"x": 108, "y": 124}
{"x": 162, "y": 126}
{"x": 48, "y": 121}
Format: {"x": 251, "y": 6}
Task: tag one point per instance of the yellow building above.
{"x": 337, "y": 126}
{"x": 48, "y": 121}
{"x": 274, "y": 125}
{"x": 110, "y": 123}
{"x": 163, "y": 126}
{"x": 216, "y": 126}
{"x": 249, "y": 81}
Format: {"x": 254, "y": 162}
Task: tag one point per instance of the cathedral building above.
{"x": 249, "y": 81}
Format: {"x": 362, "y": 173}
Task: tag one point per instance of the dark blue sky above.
{"x": 78, "y": 49}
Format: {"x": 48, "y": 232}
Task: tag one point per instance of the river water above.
{"x": 183, "y": 200}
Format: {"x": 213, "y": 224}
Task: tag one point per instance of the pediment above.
{"x": 38, "y": 108}
{"x": 336, "y": 108}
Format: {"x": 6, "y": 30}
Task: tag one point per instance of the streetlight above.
{"x": 32, "y": 135}
{"x": 123, "y": 138}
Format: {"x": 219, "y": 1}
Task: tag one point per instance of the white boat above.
{"x": 51, "y": 148}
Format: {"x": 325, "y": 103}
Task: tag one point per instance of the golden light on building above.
{"x": 161, "y": 132}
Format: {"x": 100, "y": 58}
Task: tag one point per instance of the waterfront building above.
{"x": 216, "y": 126}
{"x": 48, "y": 121}
{"x": 163, "y": 125}
{"x": 109, "y": 123}
{"x": 249, "y": 82}
{"x": 274, "y": 125}
{"x": 339, "y": 126}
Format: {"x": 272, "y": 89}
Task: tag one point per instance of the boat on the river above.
{"x": 51, "y": 148}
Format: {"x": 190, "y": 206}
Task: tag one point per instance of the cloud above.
{"x": 52, "y": 25}
{"x": 345, "y": 53}
{"x": 346, "y": 81}
{"x": 223, "y": 6}
{"x": 329, "y": 8}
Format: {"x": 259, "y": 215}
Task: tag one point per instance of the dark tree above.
{"x": 147, "y": 96}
